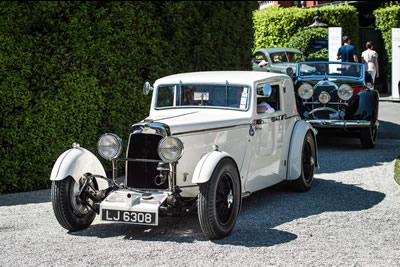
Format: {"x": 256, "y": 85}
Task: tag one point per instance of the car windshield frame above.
{"x": 330, "y": 69}
{"x": 203, "y": 95}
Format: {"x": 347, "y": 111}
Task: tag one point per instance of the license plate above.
{"x": 134, "y": 217}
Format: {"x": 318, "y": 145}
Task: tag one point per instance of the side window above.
{"x": 258, "y": 57}
{"x": 165, "y": 96}
{"x": 279, "y": 57}
{"x": 294, "y": 57}
{"x": 268, "y": 104}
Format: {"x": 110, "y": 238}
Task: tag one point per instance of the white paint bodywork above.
{"x": 271, "y": 155}
{"x": 75, "y": 162}
{"x": 206, "y": 166}
{"x": 266, "y": 148}
{"x": 300, "y": 130}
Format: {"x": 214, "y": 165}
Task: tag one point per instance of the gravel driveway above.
{"x": 350, "y": 217}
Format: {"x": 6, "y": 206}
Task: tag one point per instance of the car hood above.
{"x": 190, "y": 120}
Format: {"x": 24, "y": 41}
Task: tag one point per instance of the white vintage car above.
{"x": 211, "y": 138}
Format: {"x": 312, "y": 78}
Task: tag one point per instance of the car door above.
{"x": 267, "y": 141}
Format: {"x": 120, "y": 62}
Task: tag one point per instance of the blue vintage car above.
{"x": 276, "y": 59}
{"x": 338, "y": 95}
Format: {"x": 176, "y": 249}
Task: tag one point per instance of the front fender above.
{"x": 364, "y": 106}
{"x": 296, "y": 146}
{"x": 205, "y": 167}
{"x": 75, "y": 162}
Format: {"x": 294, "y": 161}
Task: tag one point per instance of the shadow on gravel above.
{"x": 339, "y": 151}
{"x": 388, "y": 130}
{"x": 34, "y": 197}
{"x": 261, "y": 213}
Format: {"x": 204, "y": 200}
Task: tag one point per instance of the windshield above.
{"x": 330, "y": 69}
{"x": 187, "y": 95}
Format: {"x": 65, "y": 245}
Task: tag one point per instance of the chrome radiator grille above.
{"x": 140, "y": 174}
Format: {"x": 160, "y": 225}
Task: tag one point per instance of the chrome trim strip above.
{"x": 344, "y": 123}
{"x": 157, "y": 128}
{"x": 246, "y": 194}
{"x": 298, "y": 117}
{"x": 140, "y": 160}
{"x": 329, "y": 103}
{"x": 213, "y": 129}
{"x": 322, "y": 109}
{"x": 325, "y": 83}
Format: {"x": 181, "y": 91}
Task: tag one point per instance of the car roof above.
{"x": 277, "y": 49}
{"x": 217, "y": 77}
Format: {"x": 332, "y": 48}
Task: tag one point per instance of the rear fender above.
{"x": 296, "y": 146}
{"x": 205, "y": 167}
{"x": 75, "y": 162}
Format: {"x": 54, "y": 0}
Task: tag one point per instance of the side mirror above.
{"x": 266, "y": 90}
{"x": 147, "y": 88}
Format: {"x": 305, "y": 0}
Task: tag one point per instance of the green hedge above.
{"x": 274, "y": 26}
{"x": 70, "y": 71}
{"x": 386, "y": 19}
{"x": 303, "y": 41}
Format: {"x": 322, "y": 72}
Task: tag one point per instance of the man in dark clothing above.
{"x": 347, "y": 53}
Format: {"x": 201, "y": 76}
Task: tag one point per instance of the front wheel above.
{"x": 368, "y": 136}
{"x": 308, "y": 157}
{"x": 219, "y": 201}
{"x": 71, "y": 212}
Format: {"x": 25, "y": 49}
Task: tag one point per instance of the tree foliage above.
{"x": 387, "y": 18}
{"x": 304, "y": 40}
{"x": 70, "y": 71}
{"x": 274, "y": 26}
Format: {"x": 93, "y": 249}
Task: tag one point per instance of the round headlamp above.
{"x": 324, "y": 97}
{"x": 345, "y": 92}
{"x": 170, "y": 149}
{"x": 306, "y": 91}
{"x": 109, "y": 146}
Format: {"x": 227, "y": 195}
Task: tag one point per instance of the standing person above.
{"x": 370, "y": 58}
{"x": 347, "y": 52}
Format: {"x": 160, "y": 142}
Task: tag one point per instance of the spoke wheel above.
{"x": 308, "y": 157}
{"x": 71, "y": 212}
{"x": 219, "y": 201}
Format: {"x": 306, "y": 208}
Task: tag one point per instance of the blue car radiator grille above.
{"x": 324, "y": 114}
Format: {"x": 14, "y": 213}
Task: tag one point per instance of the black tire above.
{"x": 70, "y": 211}
{"x": 368, "y": 136}
{"x": 308, "y": 157}
{"x": 219, "y": 201}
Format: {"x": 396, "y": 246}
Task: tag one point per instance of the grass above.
{"x": 397, "y": 170}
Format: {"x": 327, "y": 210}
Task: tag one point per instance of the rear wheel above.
{"x": 219, "y": 201}
{"x": 71, "y": 212}
{"x": 308, "y": 157}
{"x": 368, "y": 136}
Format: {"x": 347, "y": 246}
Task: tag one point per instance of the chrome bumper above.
{"x": 342, "y": 123}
